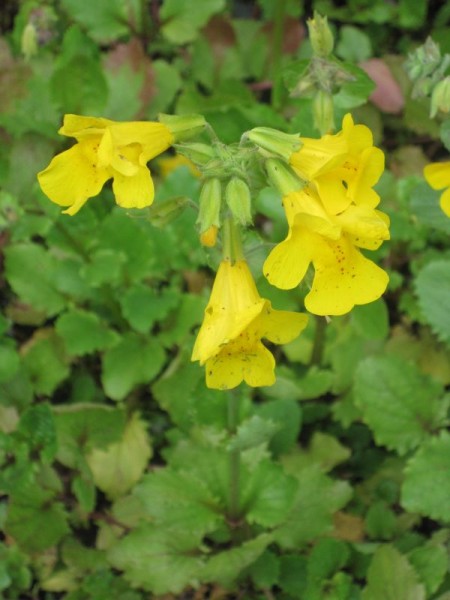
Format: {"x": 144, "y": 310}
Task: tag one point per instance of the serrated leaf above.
{"x": 317, "y": 499}
{"x": 324, "y": 451}
{"x": 142, "y": 306}
{"x": 356, "y": 92}
{"x": 398, "y": 402}
{"x": 173, "y": 557}
{"x": 424, "y": 203}
{"x": 392, "y": 577}
{"x": 287, "y": 414}
{"x": 37, "y": 428}
{"x": 133, "y": 361}
{"x": 253, "y": 432}
{"x": 118, "y": 467}
{"x": 9, "y": 362}
{"x": 327, "y": 557}
{"x": 426, "y": 488}
{"x": 84, "y": 332}
{"x": 44, "y": 361}
{"x": 371, "y": 320}
{"x": 265, "y": 570}
{"x": 30, "y": 270}
{"x": 433, "y": 291}
{"x": 181, "y": 21}
{"x": 431, "y": 562}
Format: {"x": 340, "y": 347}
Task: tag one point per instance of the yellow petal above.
{"x": 370, "y": 168}
{"x": 136, "y": 191}
{"x": 365, "y": 223}
{"x": 343, "y": 278}
{"x": 288, "y": 262}
{"x": 122, "y": 160}
{"x": 358, "y": 137}
{"x": 281, "y": 326}
{"x": 153, "y": 138}
{"x": 73, "y": 176}
{"x": 445, "y": 202}
{"x": 316, "y": 157}
{"x": 304, "y": 208}
{"x": 227, "y": 369}
{"x": 332, "y": 193}
{"x": 78, "y": 126}
{"x": 438, "y": 175}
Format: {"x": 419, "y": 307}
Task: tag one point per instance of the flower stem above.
{"x": 319, "y": 341}
{"x": 235, "y": 458}
{"x": 276, "y": 53}
{"x": 232, "y": 242}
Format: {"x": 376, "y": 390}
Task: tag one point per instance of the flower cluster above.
{"x": 330, "y": 219}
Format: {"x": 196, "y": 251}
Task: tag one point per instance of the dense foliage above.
{"x": 122, "y": 476}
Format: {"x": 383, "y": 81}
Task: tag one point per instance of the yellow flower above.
{"x": 105, "y": 149}
{"x": 343, "y": 276}
{"x": 236, "y": 318}
{"x": 343, "y": 167}
{"x": 438, "y": 176}
{"x": 170, "y": 163}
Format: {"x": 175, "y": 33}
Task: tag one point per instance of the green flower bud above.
{"x": 440, "y": 98}
{"x": 320, "y": 35}
{"x": 209, "y": 205}
{"x": 183, "y": 126}
{"x": 199, "y": 154}
{"x": 323, "y": 111}
{"x": 238, "y": 199}
{"x": 162, "y": 213}
{"x": 277, "y": 142}
{"x": 29, "y": 41}
{"x": 282, "y": 177}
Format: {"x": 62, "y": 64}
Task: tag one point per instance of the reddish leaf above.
{"x": 387, "y": 96}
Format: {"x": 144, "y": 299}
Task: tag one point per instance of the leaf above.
{"x": 324, "y": 451}
{"x": 424, "y": 203}
{"x": 168, "y": 82}
{"x": 84, "y": 332}
{"x": 426, "y": 487}
{"x": 400, "y": 404}
{"x": 30, "y": 271}
{"x": 173, "y": 558}
{"x": 181, "y": 21}
{"x": 431, "y": 563}
{"x": 265, "y": 570}
{"x": 253, "y": 432}
{"x": 433, "y": 291}
{"x": 118, "y": 467}
{"x": 293, "y": 575}
{"x": 133, "y": 361}
{"x": 354, "y": 45}
{"x": 36, "y": 528}
{"x": 226, "y": 566}
{"x": 327, "y": 557}
{"x": 356, "y": 92}
{"x": 317, "y": 498}
{"x": 9, "y": 362}
{"x": 392, "y": 577}
{"x": 142, "y": 305}
{"x": 44, "y": 361}
{"x": 37, "y": 428}
{"x": 371, "y": 320}
{"x": 286, "y": 414}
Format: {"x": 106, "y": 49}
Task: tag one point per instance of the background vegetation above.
{"x": 113, "y": 454}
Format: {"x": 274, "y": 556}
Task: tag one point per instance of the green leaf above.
{"x": 105, "y": 266}
{"x": 180, "y": 322}
{"x": 36, "y": 528}
{"x": 424, "y": 203}
{"x": 293, "y": 574}
{"x": 44, "y": 361}
{"x": 82, "y": 427}
{"x": 371, "y": 320}
{"x": 412, "y": 13}
{"x": 84, "y": 332}
{"x": 118, "y": 467}
{"x": 445, "y": 133}
{"x": 431, "y": 563}
{"x": 317, "y": 499}
{"x": 226, "y": 566}
{"x": 133, "y": 361}
{"x": 37, "y": 428}
{"x": 179, "y": 501}
{"x": 327, "y": 557}
{"x": 354, "y": 45}
{"x": 426, "y": 487}
{"x": 356, "y": 92}
{"x": 105, "y": 20}
{"x": 9, "y": 362}
{"x": 400, "y": 404}
{"x": 173, "y": 558}
{"x": 324, "y": 450}
{"x": 168, "y": 82}
{"x": 380, "y": 522}
{"x": 142, "y": 306}
{"x": 125, "y": 85}
{"x": 181, "y": 21}
{"x": 286, "y": 414}
{"x": 433, "y": 290}
{"x": 391, "y": 577}
{"x": 30, "y": 271}
{"x": 253, "y": 432}
{"x": 265, "y": 570}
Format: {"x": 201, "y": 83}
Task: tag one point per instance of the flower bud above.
{"x": 209, "y": 237}
{"x": 320, "y": 35}
{"x": 283, "y": 144}
{"x": 282, "y": 177}
{"x": 162, "y": 213}
{"x": 183, "y": 126}
{"x": 237, "y": 196}
{"x": 209, "y": 207}
{"x": 29, "y": 41}
{"x": 440, "y": 98}
{"x": 323, "y": 111}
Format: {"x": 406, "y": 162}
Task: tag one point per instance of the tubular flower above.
{"x": 105, "y": 149}
{"x": 342, "y": 167}
{"x": 343, "y": 276}
{"x": 438, "y": 176}
{"x": 236, "y": 318}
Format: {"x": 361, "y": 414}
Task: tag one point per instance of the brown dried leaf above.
{"x": 387, "y": 96}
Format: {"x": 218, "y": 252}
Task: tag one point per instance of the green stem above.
{"x": 232, "y": 242}
{"x": 276, "y": 54}
{"x": 235, "y": 458}
{"x": 319, "y": 341}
